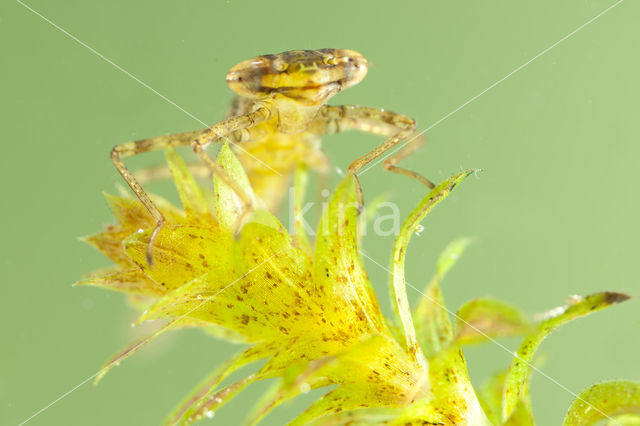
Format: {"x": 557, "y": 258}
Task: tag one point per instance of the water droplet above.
{"x": 419, "y": 229}
{"x": 218, "y": 400}
{"x": 305, "y": 388}
{"x": 575, "y": 298}
{"x": 339, "y": 171}
{"x": 210, "y": 414}
{"x": 324, "y": 193}
{"x": 140, "y": 231}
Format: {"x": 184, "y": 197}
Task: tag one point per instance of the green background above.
{"x": 555, "y": 211}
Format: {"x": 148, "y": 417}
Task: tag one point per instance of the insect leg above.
{"x": 129, "y": 149}
{"x": 414, "y": 144}
{"x": 198, "y": 139}
{"x": 221, "y": 131}
{"x": 396, "y": 127}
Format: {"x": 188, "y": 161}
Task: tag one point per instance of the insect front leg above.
{"x": 198, "y": 139}
{"x": 129, "y": 149}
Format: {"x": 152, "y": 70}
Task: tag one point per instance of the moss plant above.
{"x": 312, "y": 314}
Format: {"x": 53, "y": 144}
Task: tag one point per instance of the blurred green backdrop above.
{"x": 555, "y": 210}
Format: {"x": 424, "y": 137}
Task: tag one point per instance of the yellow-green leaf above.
{"x": 376, "y": 372}
{"x": 125, "y": 280}
{"x": 191, "y": 197}
{"x": 625, "y": 420}
{"x": 359, "y": 417}
{"x": 296, "y": 379}
{"x": 517, "y": 377}
{"x": 204, "y": 398}
{"x": 490, "y": 396}
{"x": 398, "y": 288}
{"x": 338, "y": 272}
{"x": 229, "y": 206}
{"x": 301, "y": 182}
{"x": 433, "y": 326}
{"x": 131, "y": 349}
{"x": 452, "y": 393}
{"x": 109, "y": 243}
{"x": 181, "y": 253}
{"x": 450, "y": 256}
{"x": 605, "y": 401}
{"x": 483, "y": 319}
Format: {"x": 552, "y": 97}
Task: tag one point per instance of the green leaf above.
{"x": 131, "y": 349}
{"x": 269, "y": 400}
{"x": 450, "y": 256}
{"x": 191, "y": 197}
{"x": 132, "y": 215}
{"x": 229, "y": 206}
{"x": 400, "y": 302}
{"x": 431, "y": 317}
{"x": 301, "y": 182}
{"x": 490, "y": 397}
{"x": 452, "y": 392}
{"x": 338, "y": 272}
{"x": 182, "y": 253}
{"x": 432, "y": 321}
{"x": 125, "y": 280}
{"x": 296, "y": 379}
{"x": 359, "y": 417}
{"x": 257, "y": 287}
{"x": 517, "y": 377}
{"x": 604, "y": 401}
{"x": 204, "y": 398}
{"x": 625, "y": 420}
{"x": 482, "y": 319}
{"x": 375, "y": 372}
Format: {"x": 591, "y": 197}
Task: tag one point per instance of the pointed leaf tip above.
{"x": 191, "y": 197}
{"x": 399, "y": 298}
{"x": 229, "y": 206}
{"x": 519, "y": 371}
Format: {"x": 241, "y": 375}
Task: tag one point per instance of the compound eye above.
{"x": 280, "y": 66}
